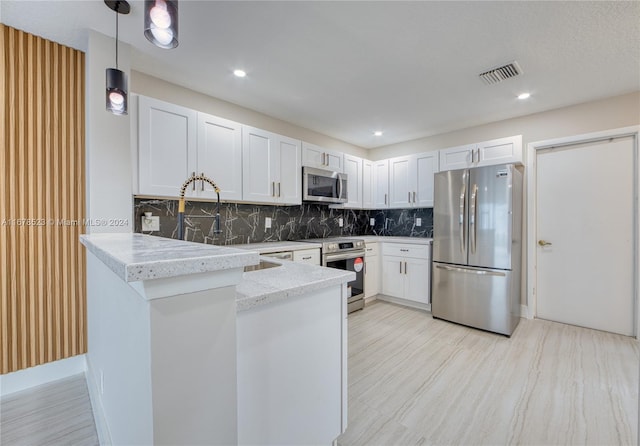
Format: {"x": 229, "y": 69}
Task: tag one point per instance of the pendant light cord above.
{"x": 117, "y": 14}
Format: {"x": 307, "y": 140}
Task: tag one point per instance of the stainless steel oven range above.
{"x": 346, "y": 254}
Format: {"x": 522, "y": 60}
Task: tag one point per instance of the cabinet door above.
{"x": 457, "y": 157}
{"x": 427, "y": 166}
{"x": 289, "y": 170}
{"x": 353, "y": 169}
{"x": 310, "y": 256}
{"x": 220, "y": 156}
{"x": 371, "y": 275}
{"x": 381, "y": 184}
{"x": 167, "y": 147}
{"x": 393, "y": 276}
{"x": 499, "y": 151}
{"x": 417, "y": 280}
{"x": 321, "y": 158}
{"x": 258, "y": 157}
{"x": 401, "y": 181}
{"x": 367, "y": 184}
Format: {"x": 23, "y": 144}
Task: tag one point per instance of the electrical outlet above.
{"x": 372, "y": 222}
{"x": 267, "y": 223}
{"x": 340, "y": 222}
{"x": 418, "y": 221}
{"x": 150, "y": 223}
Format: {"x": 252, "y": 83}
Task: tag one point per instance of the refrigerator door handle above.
{"x": 480, "y": 272}
{"x": 473, "y": 229}
{"x": 463, "y": 192}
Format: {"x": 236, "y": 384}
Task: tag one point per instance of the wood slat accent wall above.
{"x": 42, "y": 201}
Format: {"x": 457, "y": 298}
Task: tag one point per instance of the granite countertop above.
{"x": 269, "y": 247}
{"x": 135, "y": 257}
{"x": 283, "y": 282}
{"x": 395, "y": 239}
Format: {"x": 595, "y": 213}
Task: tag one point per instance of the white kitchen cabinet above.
{"x": 405, "y": 271}
{"x": 271, "y": 168}
{"x": 368, "y": 189}
{"x": 353, "y": 169}
{"x": 381, "y": 184}
{"x": 310, "y": 256}
{"x": 321, "y": 158}
{"x": 487, "y": 153}
{"x": 220, "y": 156}
{"x": 371, "y": 270}
{"x": 166, "y": 147}
{"x": 411, "y": 180}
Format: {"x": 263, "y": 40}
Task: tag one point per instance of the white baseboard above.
{"x": 41, "y": 374}
{"x": 525, "y": 313}
{"x": 405, "y": 302}
{"x": 102, "y": 428}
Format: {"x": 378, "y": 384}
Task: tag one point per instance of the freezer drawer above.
{"x": 476, "y": 297}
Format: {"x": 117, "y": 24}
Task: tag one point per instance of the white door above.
{"x": 289, "y": 175}
{"x": 381, "y": 184}
{"x": 585, "y": 214}
{"x": 220, "y": 156}
{"x": 257, "y": 161}
{"x": 417, "y": 280}
{"x": 401, "y": 181}
{"x": 367, "y": 184}
{"x": 353, "y": 169}
{"x": 427, "y": 165}
{"x": 393, "y": 276}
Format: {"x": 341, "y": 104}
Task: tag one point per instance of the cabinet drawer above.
{"x": 311, "y": 256}
{"x": 405, "y": 250}
{"x": 371, "y": 249}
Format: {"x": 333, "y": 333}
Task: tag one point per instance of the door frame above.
{"x": 532, "y": 208}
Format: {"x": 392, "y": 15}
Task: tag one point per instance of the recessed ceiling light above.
{"x": 524, "y": 95}
{"x": 377, "y": 133}
{"x": 239, "y": 73}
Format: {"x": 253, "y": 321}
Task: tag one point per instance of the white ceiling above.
{"x": 346, "y": 68}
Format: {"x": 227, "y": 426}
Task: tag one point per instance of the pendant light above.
{"x": 117, "y": 79}
{"x": 161, "y": 22}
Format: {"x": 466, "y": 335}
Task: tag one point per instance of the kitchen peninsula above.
{"x": 187, "y": 347}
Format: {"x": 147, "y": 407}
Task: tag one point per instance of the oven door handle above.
{"x": 346, "y": 256}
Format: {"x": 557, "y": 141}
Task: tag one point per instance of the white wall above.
{"x": 604, "y": 114}
{"x": 157, "y": 88}
{"x": 108, "y": 153}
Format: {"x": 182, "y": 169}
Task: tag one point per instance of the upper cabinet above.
{"x": 411, "y": 180}
{"x": 176, "y": 142}
{"x": 381, "y": 184}
{"x": 496, "y": 151}
{"x": 166, "y": 147}
{"x": 368, "y": 185}
{"x": 220, "y": 156}
{"x": 320, "y": 158}
{"x": 353, "y": 169}
{"x": 271, "y": 168}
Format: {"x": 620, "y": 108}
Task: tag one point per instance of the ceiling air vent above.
{"x": 499, "y": 74}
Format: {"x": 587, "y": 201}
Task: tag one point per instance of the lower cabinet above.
{"x": 311, "y": 256}
{"x": 405, "y": 271}
{"x": 371, "y": 270}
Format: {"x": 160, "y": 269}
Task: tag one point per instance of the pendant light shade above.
{"x": 161, "y": 22}
{"x": 116, "y": 80}
{"x": 116, "y": 91}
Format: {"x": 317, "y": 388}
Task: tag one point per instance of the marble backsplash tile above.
{"x": 245, "y": 223}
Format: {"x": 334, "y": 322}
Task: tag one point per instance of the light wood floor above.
{"x": 57, "y": 413}
{"x": 415, "y": 380}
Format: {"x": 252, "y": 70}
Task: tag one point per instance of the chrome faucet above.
{"x": 192, "y": 179}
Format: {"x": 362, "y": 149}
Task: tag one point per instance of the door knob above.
{"x": 544, "y": 243}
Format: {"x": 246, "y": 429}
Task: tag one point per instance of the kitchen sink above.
{"x": 262, "y": 265}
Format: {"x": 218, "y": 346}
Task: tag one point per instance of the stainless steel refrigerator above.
{"x": 477, "y": 247}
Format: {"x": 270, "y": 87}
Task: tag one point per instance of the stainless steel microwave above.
{"x": 323, "y": 186}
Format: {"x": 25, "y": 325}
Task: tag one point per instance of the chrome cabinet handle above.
{"x": 404, "y": 250}
{"x": 193, "y": 185}
{"x": 409, "y": 197}
{"x": 405, "y": 268}
{"x": 202, "y": 182}
{"x": 385, "y": 199}
{"x": 273, "y": 188}
{"x": 324, "y": 156}
{"x": 414, "y": 196}
{"x": 306, "y": 258}
{"x": 279, "y": 184}
{"x": 544, "y": 243}
{"x": 400, "y": 267}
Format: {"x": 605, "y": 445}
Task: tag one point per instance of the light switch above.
{"x": 418, "y": 221}
{"x": 267, "y": 223}
{"x": 340, "y": 222}
{"x": 372, "y": 222}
